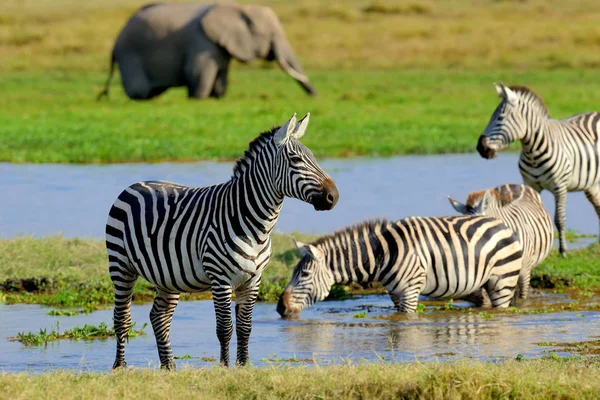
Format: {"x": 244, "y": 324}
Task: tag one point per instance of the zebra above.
{"x": 192, "y": 239}
{"x": 521, "y": 209}
{"x": 557, "y": 155}
{"x": 441, "y": 257}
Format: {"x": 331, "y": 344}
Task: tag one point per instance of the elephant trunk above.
{"x": 288, "y": 62}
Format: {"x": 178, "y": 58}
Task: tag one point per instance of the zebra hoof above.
{"x": 170, "y": 366}
{"x": 563, "y": 254}
{"x": 119, "y": 365}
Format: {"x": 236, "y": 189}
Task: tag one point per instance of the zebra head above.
{"x": 477, "y": 203}
{"x": 311, "y": 282}
{"x": 296, "y": 172}
{"x": 506, "y": 125}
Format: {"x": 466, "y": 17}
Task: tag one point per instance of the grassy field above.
{"x": 73, "y": 272}
{"x": 394, "y": 77}
{"x": 530, "y": 379}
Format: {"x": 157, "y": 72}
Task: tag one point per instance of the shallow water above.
{"x": 326, "y": 333}
{"x": 74, "y": 199}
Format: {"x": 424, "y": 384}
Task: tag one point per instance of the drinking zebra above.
{"x": 442, "y": 257}
{"x": 192, "y": 239}
{"x": 557, "y": 155}
{"x": 521, "y": 209}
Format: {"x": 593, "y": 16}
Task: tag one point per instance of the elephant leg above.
{"x": 135, "y": 81}
{"x": 201, "y": 76}
{"x": 220, "y": 86}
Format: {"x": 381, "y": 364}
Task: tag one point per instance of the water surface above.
{"x": 326, "y": 333}
{"x": 74, "y": 199}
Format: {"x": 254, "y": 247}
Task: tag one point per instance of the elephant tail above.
{"x": 104, "y": 92}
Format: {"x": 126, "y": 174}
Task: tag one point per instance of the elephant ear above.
{"x": 227, "y": 26}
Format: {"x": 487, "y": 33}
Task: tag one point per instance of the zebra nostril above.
{"x": 330, "y": 198}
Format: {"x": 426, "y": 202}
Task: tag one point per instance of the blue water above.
{"x": 326, "y": 333}
{"x": 74, "y": 199}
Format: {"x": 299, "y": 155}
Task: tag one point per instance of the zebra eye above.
{"x": 296, "y": 159}
{"x": 304, "y": 273}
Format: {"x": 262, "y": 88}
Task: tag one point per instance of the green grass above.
{"x": 86, "y": 332}
{"x": 73, "y": 273}
{"x": 53, "y": 117}
{"x": 550, "y": 378}
{"x": 580, "y": 269}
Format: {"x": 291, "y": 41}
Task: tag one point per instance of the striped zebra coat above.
{"x": 557, "y": 155}
{"x": 444, "y": 257}
{"x": 191, "y": 239}
{"x": 521, "y": 209}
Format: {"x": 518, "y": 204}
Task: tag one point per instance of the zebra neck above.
{"x": 254, "y": 200}
{"x": 353, "y": 256}
{"x": 536, "y": 119}
{"x": 537, "y": 141}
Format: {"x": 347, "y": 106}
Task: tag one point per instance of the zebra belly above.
{"x": 173, "y": 274}
{"x": 448, "y": 279}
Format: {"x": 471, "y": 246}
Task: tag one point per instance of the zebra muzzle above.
{"x": 483, "y": 148}
{"x": 283, "y": 306}
{"x": 328, "y": 197}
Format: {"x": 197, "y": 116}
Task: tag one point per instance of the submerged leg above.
{"x": 161, "y": 317}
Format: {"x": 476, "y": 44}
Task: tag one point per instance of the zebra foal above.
{"x": 557, "y": 155}
{"x": 444, "y": 257}
{"x": 521, "y": 209}
{"x": 192, "y": 239}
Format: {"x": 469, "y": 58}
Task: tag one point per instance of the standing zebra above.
{"x": 192, "y": 239}
{"x": 440, "y": 257}
{"x": 521, "y": 209}
{"x": 557, "y": 155}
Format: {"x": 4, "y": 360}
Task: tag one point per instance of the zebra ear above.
{"x": 459, "y": 207}
{"x": 308, "y": 249}
{"x": 508, "y": 95}
{"x": 301, "y": 126}
{"x": 285, "y": 131}
{"x": 499, "y": 90}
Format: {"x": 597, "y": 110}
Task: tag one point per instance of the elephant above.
{"x": 169, "y": 45}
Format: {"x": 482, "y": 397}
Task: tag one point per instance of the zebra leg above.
{"x": 222, "y": 301}
{"x": 479, "y": 297}
{"x": 245, "y": 297}
{"x": 502, "y": 290}
{"x": 161, "y": 316}
{"x": 406, "y": 298}
{"x": 124, "y": 282}
{"x": 560, "y": 218}
{"x": 593, "y": 195}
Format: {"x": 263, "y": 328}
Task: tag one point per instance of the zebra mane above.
{"x": 505, "y": 194}
{"x": 529, "y": 94}
{"x": 253, "y": 148}
{"x": 370, "y": 225}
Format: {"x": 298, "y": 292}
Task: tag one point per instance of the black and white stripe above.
{"x": 191, "y": 239}
{"x": 557, "y": 155}
{"x": 443, "y": 257}
{"x": 521, "y": 209}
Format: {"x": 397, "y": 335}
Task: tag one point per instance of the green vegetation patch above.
{"x": 552, "y": 378}
{"x": 580, "y": 269}
{"x": 53, "y": 117}
{"x": 86, "y": 332}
